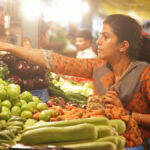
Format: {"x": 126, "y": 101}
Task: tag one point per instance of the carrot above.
{"x": 36, "y": 116}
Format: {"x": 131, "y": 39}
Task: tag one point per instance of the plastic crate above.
{"x": 42, "y": 94}
{"x": 135, "y": 148}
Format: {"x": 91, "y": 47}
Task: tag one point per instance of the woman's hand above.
{"x": 112, "y": 99}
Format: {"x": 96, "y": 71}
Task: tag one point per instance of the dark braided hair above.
{"x": 128, "y": 29}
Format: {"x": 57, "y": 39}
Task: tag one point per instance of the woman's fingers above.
{"x": 109, "y": 105}
{"x": 112, "y": 98}
{"x": 109, "y": 100}
{"x": 112, "y": 92}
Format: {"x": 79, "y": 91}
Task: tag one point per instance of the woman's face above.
{"x": 108, "y": 45}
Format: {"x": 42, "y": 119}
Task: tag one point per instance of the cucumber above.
{"x": 18, "y": 128}
{"x": 60, "y": 134}
{"x": 119, "y": 141}
{"x": 15, "y": 123}
{"x": 14, "y": 131}
{"x": 95, "y": 121}
{"x": 112, "y": 139}
{"x": 4, "y": 136}
{"x": 61, "y": 144}
{"x": 119, "y": 125}
{"x": 93, "y": 146}
{"x": 9, "y": 133}
{"x": 17, "y": 118}
{"x": 104, "y": 131}
{"x": 10, "y": 142}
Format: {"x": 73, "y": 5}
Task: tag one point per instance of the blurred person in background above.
{"x": 83, "y": 42}
{"x": 43, "y": 35}
{"x": 146, "y": 28}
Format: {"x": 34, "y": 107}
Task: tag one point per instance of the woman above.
{"x": 117, "y": 73}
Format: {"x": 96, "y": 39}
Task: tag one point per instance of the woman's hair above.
{"x": 128, "y": 29}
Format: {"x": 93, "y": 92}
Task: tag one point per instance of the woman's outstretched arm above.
{"x": 54, "y": 62}
{"x": 33, "y": 55}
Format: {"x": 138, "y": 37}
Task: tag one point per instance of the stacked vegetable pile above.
{"x": 91, "y": 133}
{"x": 9, "y": 130}
{"x": 66, "y": 111}
{"x": 76, "y": 93}
{"x": 27, "y": 75}
{"x": 15, "y": 109}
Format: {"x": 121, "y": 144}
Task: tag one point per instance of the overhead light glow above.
{"x": 134, "y": 15}
{"x": 66, "y": 11}
{"x": 31, "y": 9}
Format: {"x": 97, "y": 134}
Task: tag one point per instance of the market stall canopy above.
{"x": 139, "y": 9}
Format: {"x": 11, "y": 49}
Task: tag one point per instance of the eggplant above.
{"x": 9, "y": 59}
{"x": 28, "y": 84}
{"x": 22, "y": 68}
{"x": 40, "y": 82}
{"x": 37, "y": 70}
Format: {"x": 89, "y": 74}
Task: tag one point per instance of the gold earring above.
{"x": 123, "y": 52}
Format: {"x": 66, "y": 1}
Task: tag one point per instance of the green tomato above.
{"x": 6, "y": 103}
{"x": 3, "y": 92}
{"x": 26, "y": 114}
{"x": 27, "y": 96}
{"x": 32, "y": 104}
{"x": 5, "y": 115}
{"x": 26, "y": 107}
{"x": 42, "y": 106}
{"x": 51, "y": 112}
{"x": 5, "y": 108}
{"x": 13, "y": 91}
{"x": 16, "y": 111}
{"x": 23, "y": 102}
{"x": 17, "y": 103}
{"x": 44, "y": 115}
{"x": 36, "y": 99}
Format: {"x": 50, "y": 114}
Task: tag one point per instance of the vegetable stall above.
{"x": 68, "y": 119}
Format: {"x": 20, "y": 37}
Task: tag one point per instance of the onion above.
{"x": 28, "y": 84}
{"x": 15, "y": 78}
{"x": 22, "y": 68}
{"x": 9, "y": 59}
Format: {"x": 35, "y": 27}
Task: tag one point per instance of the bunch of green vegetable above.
{"x": 76, "y": 93}
{"x": 4, "y": 71}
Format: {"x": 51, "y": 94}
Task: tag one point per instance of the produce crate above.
{"x": 135, "y": 148}
{"x": 42, "y": 94}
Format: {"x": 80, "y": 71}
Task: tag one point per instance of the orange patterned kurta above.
{"x": 85, "y": 67}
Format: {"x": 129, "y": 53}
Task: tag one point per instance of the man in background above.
{"x": 146, "y": 28}
{"x": 83, "y": 43}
